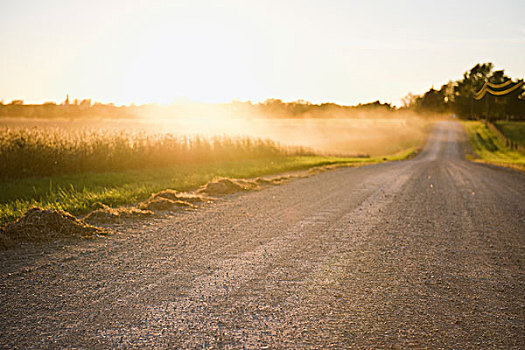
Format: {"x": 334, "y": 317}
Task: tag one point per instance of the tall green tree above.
{"x": 471, "y": 83}
{"x": 458, "y": 96}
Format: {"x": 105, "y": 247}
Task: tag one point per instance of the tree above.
{"x": 86, "y": 102}
{"x": 472, "y": 82}
{"x": 458, "y": 96}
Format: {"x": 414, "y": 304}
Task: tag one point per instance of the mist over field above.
{"x": 121, "y": 157}
{"x": 370, "y": 133}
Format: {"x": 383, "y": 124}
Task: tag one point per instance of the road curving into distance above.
{"x": 422, "y": 253}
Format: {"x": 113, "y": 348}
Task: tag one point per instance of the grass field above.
{"x": 73, "y": 167}
{"x": 35, "y": 152}
{"x": 492, "y": 149}
{"x": 513, "y": 130}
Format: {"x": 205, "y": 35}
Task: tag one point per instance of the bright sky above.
{"x": 217, "y": 51}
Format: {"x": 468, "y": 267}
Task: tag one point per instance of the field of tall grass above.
{"x": 71, "y": 165}
{"x": 342, "y": 136}
{"x": 49, "y": 152}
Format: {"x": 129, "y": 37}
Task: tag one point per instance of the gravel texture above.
{"x": 426, "y": 253}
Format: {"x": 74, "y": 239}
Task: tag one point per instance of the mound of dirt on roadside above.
{"x": 276, "y": 180}
{"x": 225, "y": 186}
{"x": 181, "y": 196}
{"x": 106, "y": 214}
{"x": 39, "y": 224}
{"x": 321, "y": 169}
{"x": 163, "y": 204}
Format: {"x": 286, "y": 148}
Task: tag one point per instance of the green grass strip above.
{"x": 77, "y": 193}
{"x": 491, "y": 149}
{"x": 513, "y": 130}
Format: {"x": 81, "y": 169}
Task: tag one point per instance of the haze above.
{"x": 209, "y": 51}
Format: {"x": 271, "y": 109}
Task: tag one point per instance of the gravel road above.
{"x": 422, "y": 253}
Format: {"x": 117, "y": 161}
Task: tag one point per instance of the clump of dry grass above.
{"x": 105, "y": 214}
{"x": 46, "y": 225}
{"x": 320, "y": 169}
{"x": 274, "y": 180}
{"x": 164, "y": 204}
{"x": 223, "y": 186}
{"x": 189, "y": 197}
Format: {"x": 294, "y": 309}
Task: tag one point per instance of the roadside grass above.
{"x": 492, "y": 149}
{"x": 26, "y": 153}
{"x": 78, "y": 193}
{"x": 513, "y": 130}
{"x": 72, "y": 169}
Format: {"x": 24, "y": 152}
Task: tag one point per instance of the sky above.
{"x": 346, "y": 52}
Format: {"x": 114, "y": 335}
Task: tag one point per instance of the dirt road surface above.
{"x": 422, "y": 253}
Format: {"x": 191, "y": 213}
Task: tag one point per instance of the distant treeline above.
{"x": 459, "y": 97}
{"x": 52, "y": 110}
{"x": 271, "y": 108}
{"x": 455, "y": 97}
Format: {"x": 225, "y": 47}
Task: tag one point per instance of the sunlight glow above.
{"x": 339, "y": 51}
